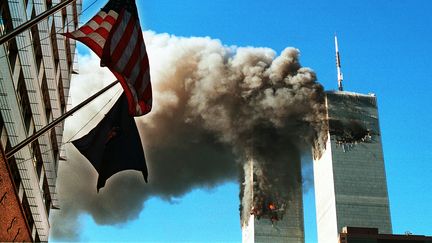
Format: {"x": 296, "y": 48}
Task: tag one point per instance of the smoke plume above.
{"x": 215, "y": 107}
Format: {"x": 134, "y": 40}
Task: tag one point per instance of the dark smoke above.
{"x": 215, "y": 107}
{"x": 276, "y": 181}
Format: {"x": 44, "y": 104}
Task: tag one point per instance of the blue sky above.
{"x": 385, "y": 49}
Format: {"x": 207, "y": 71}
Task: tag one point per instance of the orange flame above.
{"x": 272, "y": 206}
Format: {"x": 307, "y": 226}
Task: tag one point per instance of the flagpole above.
{"x": 48, "y": 127}
{"x": 33, "y": 21}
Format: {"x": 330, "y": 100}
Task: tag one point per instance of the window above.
{"x": 64, "y": 16}
{"x": 54, "y": 144}
{"x": 12, "y": 53}
{"x": 13, "y": 167}
{"x": 55, "y": 47}
{"x": 5, "y": 18}
{"x": 37, "y": 158}
{"x": 27, "y": 211}
{"x": 75, "y": 16}
{"x": 1, "y": 131}
{"x": 46, "y": 98}
{"x": 68, "y": 54}
{"x": 46, "y": 195}
{"x": 61, "y": 95}
{"x": 63, "y": 108}
{"x": 36, "y": 43}
{"x": 2, "y": 19}
{"x": 24, "y": 101}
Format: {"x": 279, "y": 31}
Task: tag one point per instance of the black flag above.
{"x": 114, "y": 144}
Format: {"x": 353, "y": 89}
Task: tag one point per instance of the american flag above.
{"x": 115, "y": 35}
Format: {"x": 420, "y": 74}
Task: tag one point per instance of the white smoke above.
{"x": 214, "y": 106}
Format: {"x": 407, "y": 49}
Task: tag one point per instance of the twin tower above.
{"x": 349, "y": 178}
{"x": 350, "y": 181}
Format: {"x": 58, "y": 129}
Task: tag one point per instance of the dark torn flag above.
{"x": 114, "y": 144}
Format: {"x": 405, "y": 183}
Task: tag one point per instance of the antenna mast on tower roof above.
{"x": 338, "y": 66}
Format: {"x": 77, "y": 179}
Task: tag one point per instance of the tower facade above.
{"x": 272, "y": 202}
{"x": 35, "y": 73}
{"x": 350, "y": 180}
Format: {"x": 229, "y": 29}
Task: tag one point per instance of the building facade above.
{"x": 35, "y": 74}
{"x": 274, "y": 215}
{"x": 350, "y": 180}
{"x": 371, "y": 235}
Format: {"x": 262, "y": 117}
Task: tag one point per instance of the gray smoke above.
{"x": 214, "y": 107}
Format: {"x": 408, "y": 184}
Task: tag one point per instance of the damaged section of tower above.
{"x": 353, "y": 118}
{"x": 271, "y": 195}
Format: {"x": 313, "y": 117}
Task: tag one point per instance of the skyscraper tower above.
{"x": 35, "y": 73}
{"x": 350, "y": 180}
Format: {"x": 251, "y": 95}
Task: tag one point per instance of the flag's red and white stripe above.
{"x": 95, "y": 32}
{"x": 117, "y": 39}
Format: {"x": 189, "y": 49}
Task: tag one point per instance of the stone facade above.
{"x": 35, "y": 73}
{"x": 13, "y": 225}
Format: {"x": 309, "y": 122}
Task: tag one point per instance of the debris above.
{"x": 349, "y": 133}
